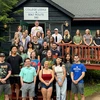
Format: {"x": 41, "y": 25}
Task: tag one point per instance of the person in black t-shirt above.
{"x": 15, "y": 61}
{"x": 5, "y": 72}
{"x": 55, "y": 52}
{"x": 67, "y": 39}
{"x": 96, "y": 41}
{"x": 43, "y": 50}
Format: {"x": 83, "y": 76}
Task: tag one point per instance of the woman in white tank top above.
{"x": 60, "y": 76}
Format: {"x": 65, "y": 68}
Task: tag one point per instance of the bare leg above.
{"x": 75, "y": 96}
{"x": 70, "y": 93}
{"x": 31, "y": 98}
{"x": 44, "y": 93}
{"x": 82, "y": 97}
{"x": 17, "y": 91}
{"x": 49, "y": 93}
{"x": 6, "y": 97}
{"x": 23, "y": 98}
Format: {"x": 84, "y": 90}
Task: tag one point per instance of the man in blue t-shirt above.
{"x": 77, "y": 74}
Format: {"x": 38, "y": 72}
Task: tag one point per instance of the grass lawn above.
{"x": 89, "y": 90}
{"x": 2, "y": 97}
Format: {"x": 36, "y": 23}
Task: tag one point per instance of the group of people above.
{"x": 65, "y": 77}
{"x": 36, "y": 60}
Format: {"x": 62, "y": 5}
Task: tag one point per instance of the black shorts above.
{"x": 69, "y": 82}
{"x": 14, "y": 80}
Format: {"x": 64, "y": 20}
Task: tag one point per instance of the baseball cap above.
{"x": 56, "y": 29}
{"x": 2, "y": 55}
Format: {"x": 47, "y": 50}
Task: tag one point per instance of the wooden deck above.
{"x": 86, "y": 53}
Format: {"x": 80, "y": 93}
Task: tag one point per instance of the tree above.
{"x": 6, "y": 7}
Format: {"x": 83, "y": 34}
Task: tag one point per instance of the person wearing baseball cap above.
{"x": 2, "y": 55}
{"x": 5, "y": 72}
{"x": 56, "y": 29}
{"x": 57, "y": 37}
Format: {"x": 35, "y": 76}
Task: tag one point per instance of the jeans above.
{"x": 61, "y": 91}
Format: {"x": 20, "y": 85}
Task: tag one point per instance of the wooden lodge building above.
{"x": 61, "y": 14}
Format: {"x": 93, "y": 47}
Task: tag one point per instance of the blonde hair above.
{"x": 67, "y": 35}
{"x": 88, "y": 31}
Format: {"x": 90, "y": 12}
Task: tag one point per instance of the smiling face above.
{"x": 27, "y": 62}
{"x": 77, "y": 32}
{"x": 58, "y": 61}
{"x": 2, "y": 58}
{"x": 14, "y": 50}
{"x": 36, "y": 23}
{"x": 67, "y": 57}
{"x": 54, "y": 46}
{"x": 49, "y": 53}
{"x": 46, "y": 64}
{"x": 33, "y": 55}
{"x": 45, "y": 44}
{"x": 76, "y": 59}
{"x": 21, "y": 48}
{"x": 19, "y": 28}
{"x": 87, "y": 31}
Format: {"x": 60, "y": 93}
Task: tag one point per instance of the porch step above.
{"x": 39, "y": 97}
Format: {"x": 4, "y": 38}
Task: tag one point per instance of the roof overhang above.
{"x": 51, "y": 3}
{"x": 86, "y": 19}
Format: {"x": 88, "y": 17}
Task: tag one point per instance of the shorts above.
{"x": 28, "y": 88}
{"x": 15, "y": 80}
{"x": 5, "y": 88}
{"x": 46, "y": 87}
{"x": 78, "y": 88}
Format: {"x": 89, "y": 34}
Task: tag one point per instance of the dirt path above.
{"x": 95, "y": 96}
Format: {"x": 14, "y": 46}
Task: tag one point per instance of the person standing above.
{"x": 68, "y": 64}
{"x": 5, "y": 72}
{"x": 36, "y": 29}
{"x": 87, "y": 40}
{"x": 36, "y": 64}
{"x": 77, "y": 74}
{"x": 24, "y": 40}
{"x": 46, "y": 77}
{"x": 67, "y": 39}
{"x": 15, "y": 61}
{"x": 48, "y": 35}
{"x": 60, "y": 76}
{"x": 48, "y": 58}
{"x": 96, "y": 41}
{"x": 28, "y": 80}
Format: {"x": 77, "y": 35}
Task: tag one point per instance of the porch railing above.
{"x": 86, "y": 53}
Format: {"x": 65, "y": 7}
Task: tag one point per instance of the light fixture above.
{"x": 5, "y": 26}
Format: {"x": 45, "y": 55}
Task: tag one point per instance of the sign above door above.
{"x": 36, "y": 13}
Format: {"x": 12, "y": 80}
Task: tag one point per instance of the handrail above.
{"x": 86, "y": 53}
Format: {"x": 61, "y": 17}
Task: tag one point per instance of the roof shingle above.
{"x": 81, "y": 8}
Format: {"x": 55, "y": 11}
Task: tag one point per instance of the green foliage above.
{"x": 6, "y": 7}
{"x": 92, "y": 76}
{"x": 3, "y": 39}
{"x": 18, "y": 12}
